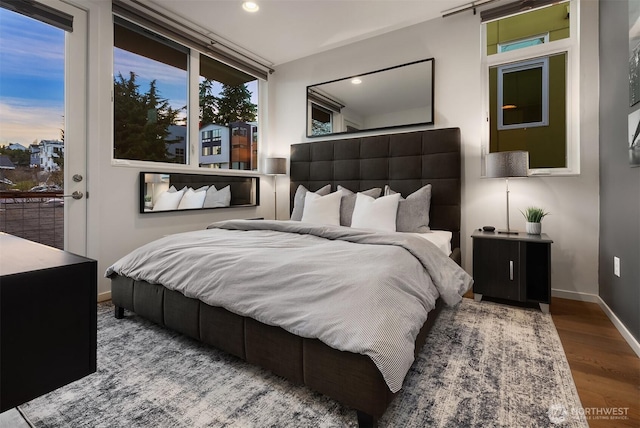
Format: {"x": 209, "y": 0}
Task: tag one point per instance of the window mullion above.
{"x": 193, "y": 109}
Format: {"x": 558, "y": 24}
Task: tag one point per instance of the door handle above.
{"x": 511, "y": 270}
{"x": 74, "y": 195}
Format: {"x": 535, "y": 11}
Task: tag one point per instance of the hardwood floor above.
{"x": 605, "y": 369}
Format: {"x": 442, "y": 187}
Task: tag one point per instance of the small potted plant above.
{"x": 147, "y": 201}
{"x": 534, "y": 217}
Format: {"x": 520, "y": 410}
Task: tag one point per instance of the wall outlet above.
{"x": 616, "y": 266}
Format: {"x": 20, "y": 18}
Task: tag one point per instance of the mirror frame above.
{"x": 428, "y": 121}
{"x": 196, "y": 181}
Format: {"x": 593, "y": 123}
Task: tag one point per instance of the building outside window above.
{"x": 228, "y": 108}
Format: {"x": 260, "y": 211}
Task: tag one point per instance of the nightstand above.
{"x": 513, "y": 267}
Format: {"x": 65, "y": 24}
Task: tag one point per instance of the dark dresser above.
{"x": 48, "y": 319}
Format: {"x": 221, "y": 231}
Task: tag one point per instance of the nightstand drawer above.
{"x": 496, "y": 269}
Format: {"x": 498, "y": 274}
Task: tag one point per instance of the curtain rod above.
{"x": 473, "y": 5}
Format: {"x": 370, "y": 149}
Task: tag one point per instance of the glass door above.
{"x": 42, "y": 123}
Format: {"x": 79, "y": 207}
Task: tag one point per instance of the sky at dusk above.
{"x": 31, "y": 80}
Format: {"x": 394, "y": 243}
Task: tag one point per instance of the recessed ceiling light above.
{"x": 250, "y": 6}
{"x": 356, "y": 81}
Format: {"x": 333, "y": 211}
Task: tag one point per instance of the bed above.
{"x": 302, "y": 350}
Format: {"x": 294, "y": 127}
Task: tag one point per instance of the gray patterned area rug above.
{"x": 484, "y": 365}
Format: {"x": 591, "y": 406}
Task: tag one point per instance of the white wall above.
{"x": 454, "y": 42}
{"x": 114, "y": 224}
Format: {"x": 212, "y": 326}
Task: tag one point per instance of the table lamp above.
{"x": 506, "y": 165}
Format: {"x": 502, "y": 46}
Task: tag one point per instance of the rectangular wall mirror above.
{"x": 162, "y": 192}
{"x": 389, "y": 98}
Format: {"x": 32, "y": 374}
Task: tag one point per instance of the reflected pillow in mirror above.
{"x": 192, "y": 199}
{"x": 348, "y": 203}
{"x": 299, "y": 198}
{"x": 322, "y": 209}
{"x": 377, "y": 214}
{"x": 413, "y": 212}
{"x": 169, "y": 200}
{"x": 217, "y": 198}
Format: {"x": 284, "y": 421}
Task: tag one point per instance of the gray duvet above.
{"x": 355, "y": 290}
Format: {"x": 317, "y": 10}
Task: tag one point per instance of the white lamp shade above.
{"x": 508, "y": 164}
{"x": 276, "y": 166}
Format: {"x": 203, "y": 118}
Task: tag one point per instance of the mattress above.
{"x": 439, "y": 238}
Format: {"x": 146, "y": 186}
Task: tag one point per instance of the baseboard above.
{"x": 635, "y": 345}
{"x": 574, "y": 295}
{"x": 593, "y": 298}
{"x": 103, "y": 297}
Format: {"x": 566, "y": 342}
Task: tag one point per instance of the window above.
{"x": 532, "y": 96}
{"x": 523, "y": 94}
{"x": 524, "y": 43}
{"x": 228, "y": 105}
{"x": 150, "y": 95}
{"x": 151, "y": 114}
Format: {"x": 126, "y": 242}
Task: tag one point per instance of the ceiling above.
{"x": 286, "y": 30}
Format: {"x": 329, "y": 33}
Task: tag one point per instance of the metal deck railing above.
{"x": 37, "y": 216}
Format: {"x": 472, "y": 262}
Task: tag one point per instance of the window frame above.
{"x": 192, "y": 151}
{"x": 570, "y": 45}
{"x": 531, "y": 64}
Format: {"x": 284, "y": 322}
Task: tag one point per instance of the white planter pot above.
{"x": 534, "y": 228}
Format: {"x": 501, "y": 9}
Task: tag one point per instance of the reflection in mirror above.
{"x": 389, "y": 98}
{"x": 175, "y": 192}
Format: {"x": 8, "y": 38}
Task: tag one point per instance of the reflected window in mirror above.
{"x": 321, "y": 120}
{"x": 383, "y": 99}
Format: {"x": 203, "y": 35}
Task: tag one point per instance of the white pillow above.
{"x": 169, "y": 200}
{"x": 322, "y": 209}
{"x": 192, "y": 199}
{"x": 298, "y": 200}
{"x": 217, "y": 198}
{"x": 379, "y": 214}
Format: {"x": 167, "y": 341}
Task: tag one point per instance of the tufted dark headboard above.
{"x": 404, "y": 161}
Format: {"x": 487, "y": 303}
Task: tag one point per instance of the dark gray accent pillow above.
{"x": 413, "y": 212}
{"x": 348, "y": 203}
{"x": 298, "y": 200}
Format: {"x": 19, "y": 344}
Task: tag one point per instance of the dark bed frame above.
{"x": 405, "y": 161}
